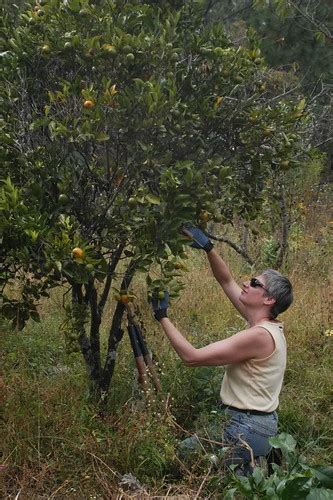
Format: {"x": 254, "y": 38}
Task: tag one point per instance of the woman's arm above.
{"x": 254, "y": 342}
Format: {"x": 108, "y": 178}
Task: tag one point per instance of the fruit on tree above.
{"x": 124, "y": 299}
{"x": 63, "y": 199}
{"x": 78, "y": 253}
{"x": 88, "y": 104}
{"x": 109, "y": 49}
{"x": 130, "y": 57}
{"x": 204, "y": 216}
{"x": 132, "y": 202}
{"x": 284, "y": 164}
{"x": 127, "y": 49}
{"x": 218, "y": 51}
{"x": 267, "y": 131}
{"x": 46, "y": 49}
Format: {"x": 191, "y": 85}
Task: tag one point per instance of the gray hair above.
{"x": 280, "y": 289}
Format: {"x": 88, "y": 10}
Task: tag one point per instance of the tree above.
{"x": 124, "y": 120}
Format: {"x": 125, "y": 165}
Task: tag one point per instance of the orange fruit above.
{"x": 78, "y": 253}
{"x": 124, "y": 299}
{"x": 88, "y": 104}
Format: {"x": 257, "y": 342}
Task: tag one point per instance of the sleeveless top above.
{"x": 255, "y": 384}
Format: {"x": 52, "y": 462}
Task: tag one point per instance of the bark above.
{"x": 95, "y": 323}
{"x": 79, "y": 314}
{"x": 285, "y": 224}
{"x": 115, "y": 337}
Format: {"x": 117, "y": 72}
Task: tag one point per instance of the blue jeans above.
{"x": 244, "y": 431}
{"x": 237, "y": 432}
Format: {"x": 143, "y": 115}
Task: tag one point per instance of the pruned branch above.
{"x": 233, "y": 245}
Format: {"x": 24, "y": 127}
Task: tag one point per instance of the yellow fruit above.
{"x": 161, "y": 295}
{"x": 204, "y": 216}
{"x": 78, "y": 253}
{"x": 284, "y": 164}
{"x": 109, "y": 49}
{"x": 88, "y": 104}
{"x": 267, "y": 131}
{"x": 46, "y": 49}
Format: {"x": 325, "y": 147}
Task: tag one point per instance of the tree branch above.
{"x": 111, "y": 267}
{"x": 233, "y": 245}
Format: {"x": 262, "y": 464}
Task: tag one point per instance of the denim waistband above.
{"x": 242, "y": 410}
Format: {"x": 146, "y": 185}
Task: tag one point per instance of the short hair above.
{"x": 279, "y": 288}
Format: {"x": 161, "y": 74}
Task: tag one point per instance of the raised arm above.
{"x": 220, "y": 269}
{"x": 224, "y": 277}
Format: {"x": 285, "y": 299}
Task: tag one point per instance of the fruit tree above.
{"x": 123, "y": 120}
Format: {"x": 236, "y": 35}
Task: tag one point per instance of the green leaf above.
{"x": 284, "y": 441}
{"x": 74, "y": 5}
{"x": 301, "y": 105}
{"x": 153, "y": 199}
{"x": 58, "y": 265}
{"x": 320, "y": 37}
{"x": 258, "y": 476}
{"x": 230, "y": 494}
{"x": 324, "y": 475}
{"x": 296, "y": 488}
{"x": 102, "y": 137}
{"x": 319, "y": 494}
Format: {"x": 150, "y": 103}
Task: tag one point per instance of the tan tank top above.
{"x": 255, "y": 384}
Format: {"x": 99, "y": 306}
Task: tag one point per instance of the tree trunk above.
{"x": 80, "y": 312}
{"x": 115, "y": 336}
{"x": 285, "y": 223}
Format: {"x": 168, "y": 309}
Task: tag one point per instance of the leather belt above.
{"x": 250, "y": 412}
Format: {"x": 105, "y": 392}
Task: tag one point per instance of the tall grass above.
{"x": 55, "y": 445}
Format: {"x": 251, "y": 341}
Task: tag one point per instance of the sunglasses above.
{"x": 254, "y": 282}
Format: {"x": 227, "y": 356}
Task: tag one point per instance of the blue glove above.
{"x": 200, "y": 239}
{"x": 160, "y": 306}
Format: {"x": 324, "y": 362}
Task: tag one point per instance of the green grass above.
{"x": 54, "y": 444}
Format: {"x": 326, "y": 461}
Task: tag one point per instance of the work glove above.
{"x": 199, "y": 237}
{"x": 160, "y": 306}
